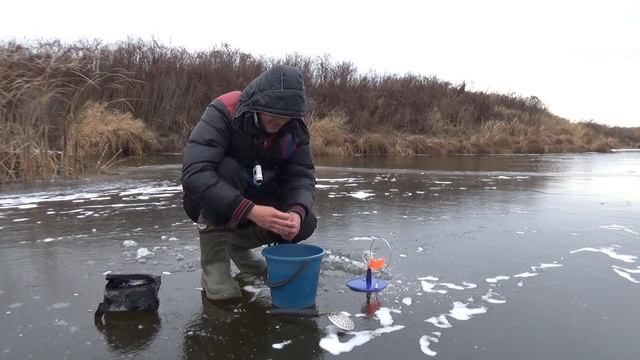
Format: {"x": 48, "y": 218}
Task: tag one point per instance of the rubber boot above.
{"x": 251, "y": 265}
{"x": 216, "y": 267}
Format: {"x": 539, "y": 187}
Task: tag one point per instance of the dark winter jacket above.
{"x": 228, "y": 128}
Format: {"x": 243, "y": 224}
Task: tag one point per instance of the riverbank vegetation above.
{"x": 70, "y": 108}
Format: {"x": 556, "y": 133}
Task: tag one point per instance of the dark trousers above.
{"x": 267, "y": 194}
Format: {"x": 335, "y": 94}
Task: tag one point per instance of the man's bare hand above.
{"x": 272, "y": 219}
{"x": 294, "y": 217}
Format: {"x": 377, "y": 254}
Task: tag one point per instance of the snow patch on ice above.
{"x": 619, "y": 227}
{"x": 545, "y": 266}
{"x": 143, "y": 253}
{"x": 497, "y": 278}
{"x": 525, "y": 275}
{"x": 609, "y": 252}
{"x": 626, "y": 273}
{"x": 129, "y": 243}
{"x": 384, "y": 315}
{"x": 281, "y": 345}
{"x": 440, "y": 321}
{"x": 425, "y": 342}
{"x": 332, "y": 343}
{"x": 461, "y": 312}
{"x": 493, "y": 298}
{"x": 361, "y": 194}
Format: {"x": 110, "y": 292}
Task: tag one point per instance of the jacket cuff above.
{"x": 300, "y": 210}
{"x": 240, "y": 213}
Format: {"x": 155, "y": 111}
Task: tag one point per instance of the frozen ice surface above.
{"x": 60, "y": 305}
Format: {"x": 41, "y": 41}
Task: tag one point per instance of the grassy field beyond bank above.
{"x": 70, "y": 108}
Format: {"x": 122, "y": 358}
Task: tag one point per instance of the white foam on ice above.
{"x": 60, "y": 305}
{"x": 429, "y": 287}
{"x": 545, "y": 266}
{"x": 384, "y": 315}
{"x": 407, "y": 301}
{"x": 452, "y": 286}
{"x": 20, "y": 220}
{"x": 152, "y": 190}
{"x": 420, "y": 249}
{"x": 626, "y": 273}
{"x": 442, "y": 182}
{"x": 425, "y": 342}
{"x": 440, "y": 321}
{"x": 344, "y": 260}
{"x": 461, "y": 312}
{"x": 15, "y": 305}
{"x": 166, "y": 273}
{"x": 361, "y": 194}
{"x": 129, "y": 243}
{"x": 27, "y": 206}
{"x": 497, "y": 278}
{"x": 402, "y": 255}
{"x": 619, "y": 227}
{"x": 281, "y": 345}
{"x": 525, "y": 275}
{"x": 429, "y": 278}
{"x": 358, "y": 238}
{"x": 334, "y": 180}
{"x": 493, "y": 298}
{"x": 332, "y": 343}
{"x": 609, "y": 252}
{"x": 143, "y": 252}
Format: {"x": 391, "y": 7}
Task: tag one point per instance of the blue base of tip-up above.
{"x": 361, "y": 285}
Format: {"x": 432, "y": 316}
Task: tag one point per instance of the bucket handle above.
{"x": 289, "y": 279}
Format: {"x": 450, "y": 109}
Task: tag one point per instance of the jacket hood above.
{"x": 279, "y": 91}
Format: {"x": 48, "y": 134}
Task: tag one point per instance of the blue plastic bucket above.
{"x": 292, "y": 274}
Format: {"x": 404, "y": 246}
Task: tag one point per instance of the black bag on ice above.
{"x": 130, "y": 292}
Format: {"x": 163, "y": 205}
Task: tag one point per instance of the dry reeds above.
{"x": 330, "y": 136}
{"x": 44, "y": 85}
{"x": 104, "y": 135}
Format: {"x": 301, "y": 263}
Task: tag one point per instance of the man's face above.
{"x": 273, "y": 123}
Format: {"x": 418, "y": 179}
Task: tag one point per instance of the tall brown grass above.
{"x": 104, "y": 135}
{"x": 44, "y": 86}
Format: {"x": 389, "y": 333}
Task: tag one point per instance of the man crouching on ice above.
{"x": 240, "y": 136}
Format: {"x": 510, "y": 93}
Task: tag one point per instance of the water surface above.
{"x": 493, "y": 257}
